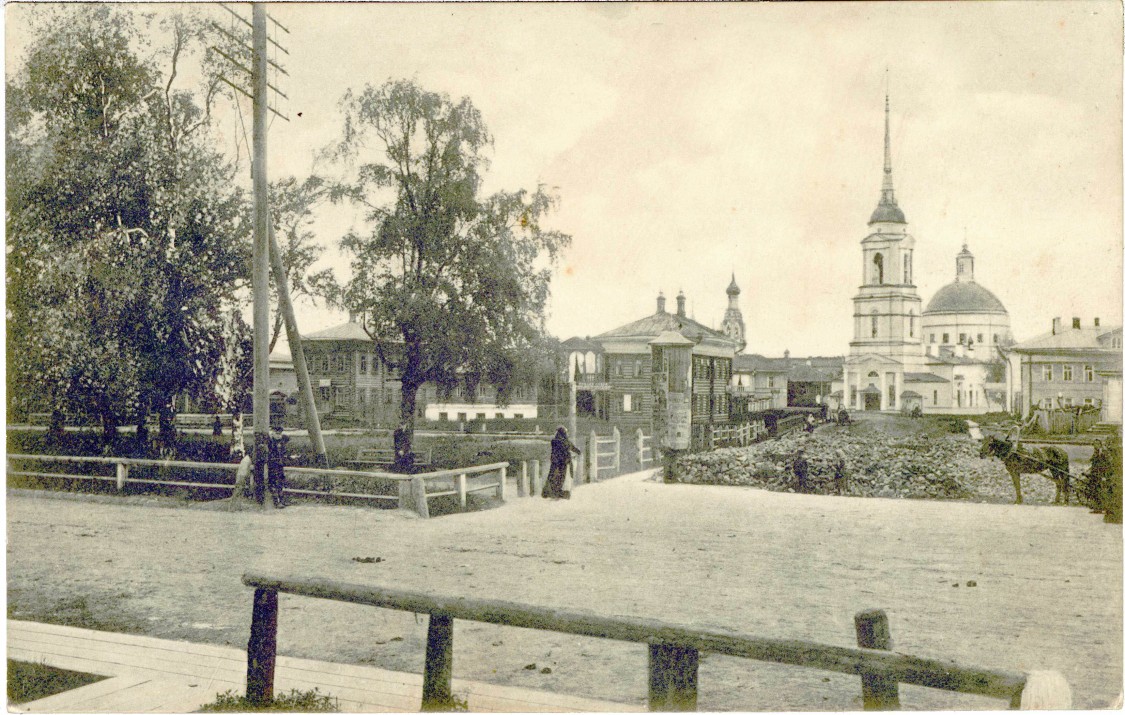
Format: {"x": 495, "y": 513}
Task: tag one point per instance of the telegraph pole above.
{"x": 261, "y": 275}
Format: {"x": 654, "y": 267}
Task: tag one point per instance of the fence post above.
{"x": 616, "y": 450}
{"x": 261, "y": 651}
{"x": 873, "y": 631}
{"x": 463, "y": 490}
{"x": 592, "y": 456}
{"x": 640, "y": 449}
{"x": 522, "y": 488}
{"x": 122, "y": 475}
{"x": 673, "y": 677}
{"x": 418, "y": 496}
{"x": 437, "y": 681}
{"x": 536, "y": 483}
{"x": 502, "y": 487}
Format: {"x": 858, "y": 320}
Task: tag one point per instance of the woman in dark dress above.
{"x": 561, "y": 447}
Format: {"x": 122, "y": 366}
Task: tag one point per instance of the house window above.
{"x": 1088, "y": 373}
{"x": 945, "y": 338}
{"x": 363, "y": 364}
{"x": 935, "y": 397}
{"x": 1088, "y": 401}
{"x": 851, "y": 395}
{"x": 617, "y": 367}
{"x": 980, "y": 338}
{"x": 1048, "y": 373}
{"x": 517, "y": 393}
{"x": 462, "y": 416}
{"x": 499, "y": 415}
{"x": 637, "y": 368}
{"x": 1068, "y": 373}
{"x": 324, "y": 392}
{"x": 443, "y": 416}
{"x": 933, "y": 338}
{"x": 518, "y": 415}
{"x": 769, "y": 381}
{"x": 482, "y": 416}
{"x": 961, "y": 338}
{"x": 626, "y": 403}
{"x": 995, "y": 338}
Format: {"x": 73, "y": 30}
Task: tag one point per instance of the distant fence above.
{"x": 673, "y": 649}
{"x": 1067, "y": 420}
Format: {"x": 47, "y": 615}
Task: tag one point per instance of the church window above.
{"x": 962, "y": 338}
{"x": 995, "y": 339}
{"x": 879, "y": 268}
{"x": 1088, "y": 373}
{"x": 935, "y": 397}
{"x": 933, "y": 338}
{"x": 873, "y": 374}
{"x": 890, "y": 395}
{"x": 906, "y": 268}
{"x": 1068, "y": 373}
{"x": 912, "y": 323}
{"x": 945, "y": 338}
{"x": 980, "y": 337}
{"x": 1048, "y": 373}
{"x": 875, "y": 323}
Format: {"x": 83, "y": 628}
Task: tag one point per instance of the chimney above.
{"x": 1076, "y": 323}
{"x": 1056, "y": 326}
{"x": 681, "y": 305}
{"x": 660, "y": 302}
{"x": 1097, "y": 322}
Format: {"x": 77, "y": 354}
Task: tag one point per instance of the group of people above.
{"x": 801, "y": 472}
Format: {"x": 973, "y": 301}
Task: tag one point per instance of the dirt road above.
{"x": 1048, "y": 591}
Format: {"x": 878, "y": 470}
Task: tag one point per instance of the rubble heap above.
{"x": 920, "y": 467}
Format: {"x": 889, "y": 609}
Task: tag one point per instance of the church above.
{"x": 944, "y": 358}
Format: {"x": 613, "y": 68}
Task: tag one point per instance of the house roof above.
{"x": 922, "y": 377}
{"x": 911, "y": 394}
{"x": 344, "y": 331}
{"x": 1069, "y": 339}
{"x": 661, "y": 321}
{"x": 759, "y": 363}
{"x": 800, "y": 372}
{"x": 952, "y": 360}
{"x": 580, "y": 344}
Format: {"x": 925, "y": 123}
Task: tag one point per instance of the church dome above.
{"x": 964, "y": 297}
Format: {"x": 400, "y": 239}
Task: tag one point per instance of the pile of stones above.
{"x": 919, "y": 467}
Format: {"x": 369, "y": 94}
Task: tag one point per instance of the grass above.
{"x": 32, "y": 681}
{"x": 295, "y": 701}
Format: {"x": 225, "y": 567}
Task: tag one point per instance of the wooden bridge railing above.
{"x": 673, "y": 649}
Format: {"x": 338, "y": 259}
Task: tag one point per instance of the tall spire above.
{"x": 888, "y": 209}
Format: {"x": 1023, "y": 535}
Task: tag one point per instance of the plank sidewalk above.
{"x": 154, "y": 675}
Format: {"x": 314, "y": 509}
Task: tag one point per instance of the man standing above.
{"x": 276, "y": 465}
{"x": 801, "y": 471}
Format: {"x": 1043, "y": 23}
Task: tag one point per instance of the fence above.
{"x": 1066, "y": 421}
{"x": 674, "y": 649}
{"x": 598, "y": 448}
{"x": 644, "y": 449}
{"x": 414, "y": 491}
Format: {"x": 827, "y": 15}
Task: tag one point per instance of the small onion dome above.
{"x": 733, "y": 288}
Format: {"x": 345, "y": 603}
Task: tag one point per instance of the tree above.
{"x": 452, "y": 286}
{"x": 126, "y": 246}
{"x": 291, "y": 210}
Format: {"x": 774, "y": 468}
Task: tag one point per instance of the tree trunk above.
{"x": 404, "y": 435}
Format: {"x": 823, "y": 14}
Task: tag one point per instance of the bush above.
{"x": 309, "y": 701}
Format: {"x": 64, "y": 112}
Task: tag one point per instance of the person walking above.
{"x": 561, "y": 449}
{"x": 801, "y": 471}
{"x": 276, "y": 464}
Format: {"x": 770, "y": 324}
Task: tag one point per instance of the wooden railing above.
{"x": 413, "y": 490}
{"x": 673, "y": 648}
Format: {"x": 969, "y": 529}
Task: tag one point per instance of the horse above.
{"x": 1021, "y": 460}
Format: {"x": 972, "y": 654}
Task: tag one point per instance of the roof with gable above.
{"x": 580, "y": 345}
{"x": 760, "y": 363}
{"x": 922, "y": 377}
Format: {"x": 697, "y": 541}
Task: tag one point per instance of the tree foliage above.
{"x": 125, "y": 239}
{"x": 452, "y": 285}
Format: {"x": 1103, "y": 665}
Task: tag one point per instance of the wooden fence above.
{"x": 414, "y": 491}
{"x": 674, "y": 649}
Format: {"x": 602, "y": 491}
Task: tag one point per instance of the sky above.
{"x": 687, "y": 142}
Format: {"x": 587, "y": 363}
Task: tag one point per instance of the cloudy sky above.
{"x": 690, "y": 141}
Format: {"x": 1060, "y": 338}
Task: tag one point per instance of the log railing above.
{"x": 673, "y": 648}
